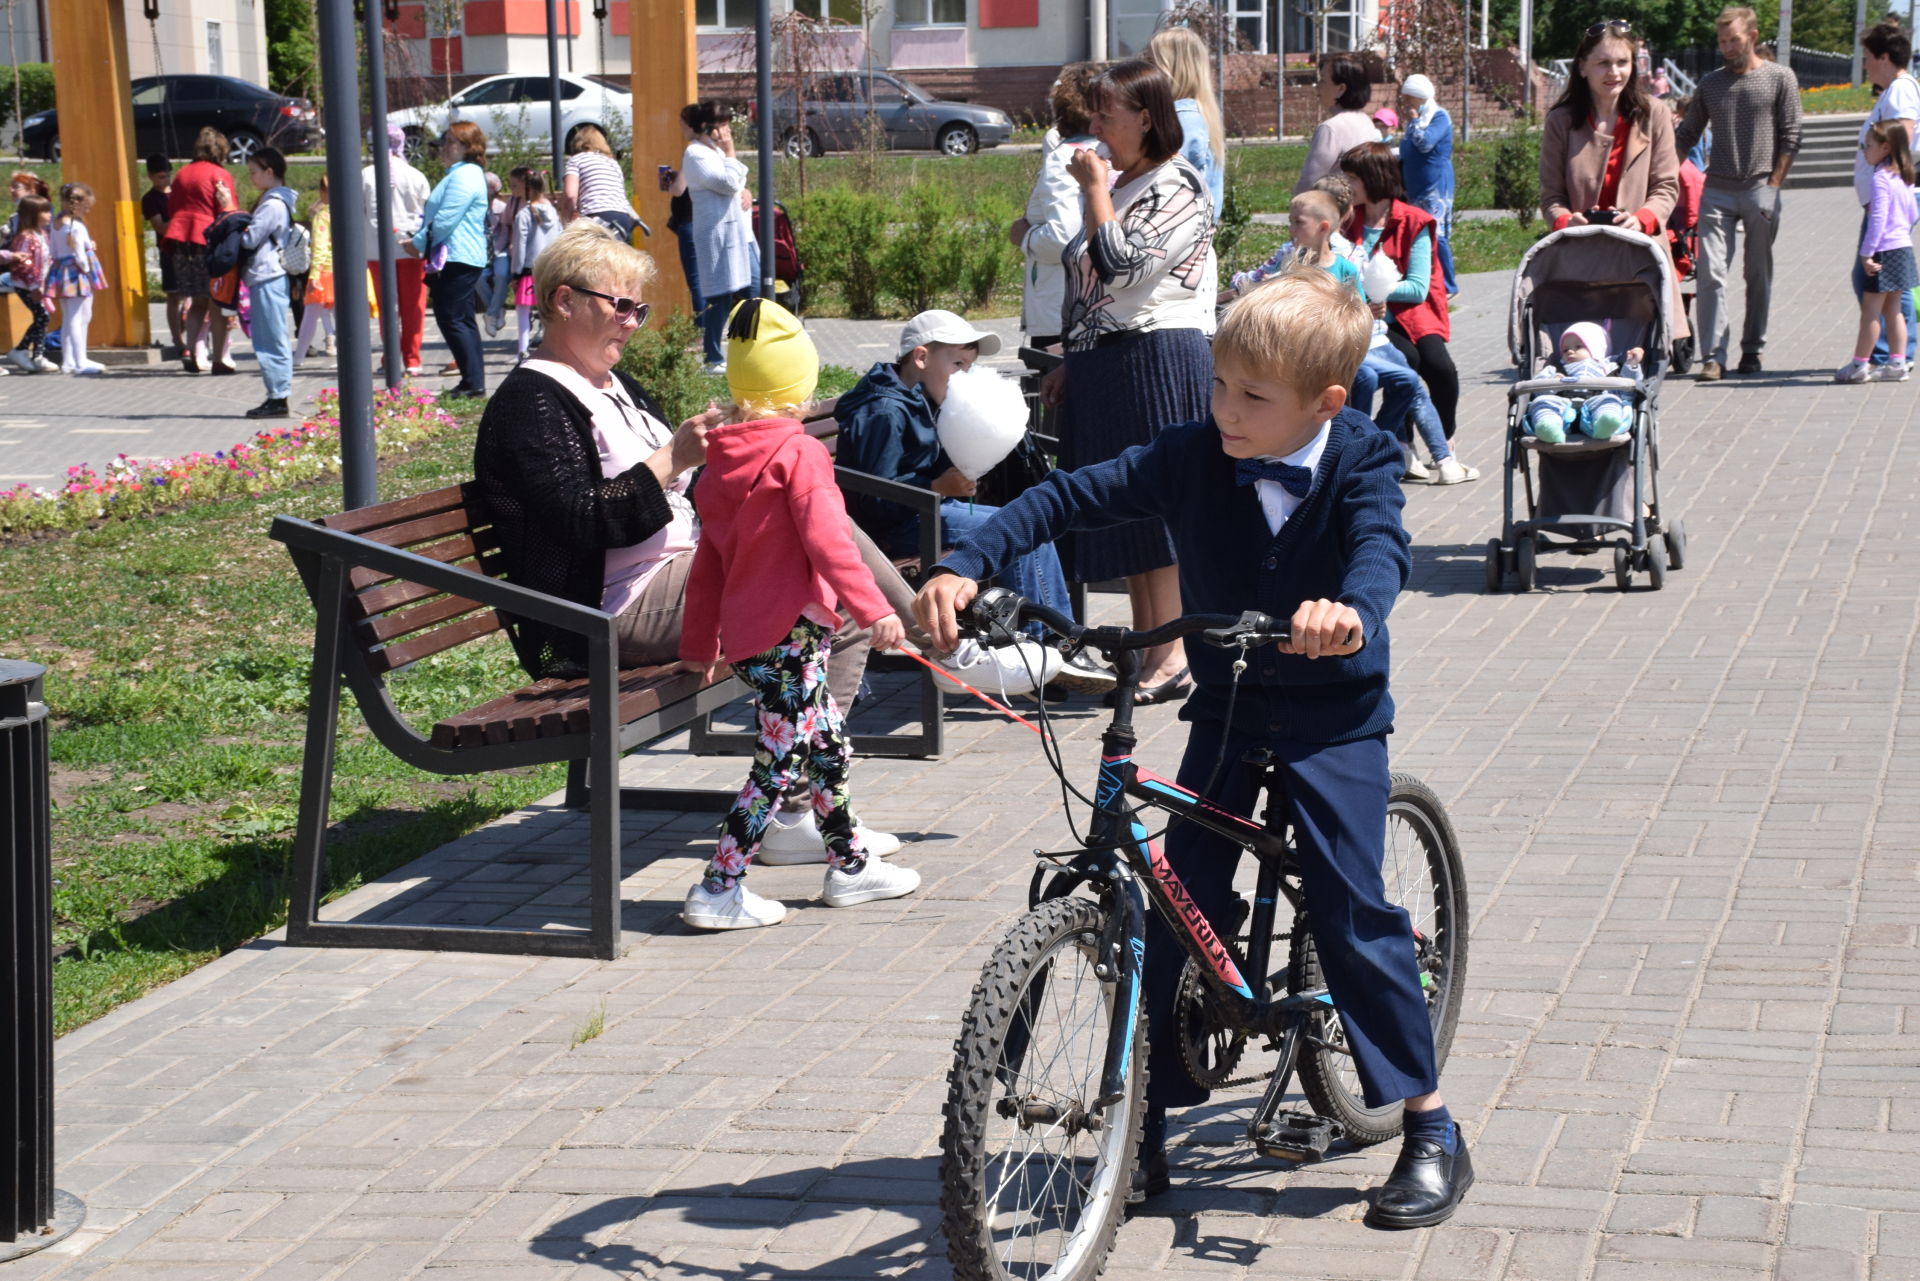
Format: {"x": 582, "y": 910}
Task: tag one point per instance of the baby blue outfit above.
{"x": 1602, "y": 416}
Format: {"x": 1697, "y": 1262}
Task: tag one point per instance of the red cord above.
{"x": 941, "y": 671}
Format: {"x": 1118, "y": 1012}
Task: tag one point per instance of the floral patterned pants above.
{"x": 800, "y": 733}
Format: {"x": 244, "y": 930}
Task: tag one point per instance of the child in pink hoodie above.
{"x": 775, "y": 561}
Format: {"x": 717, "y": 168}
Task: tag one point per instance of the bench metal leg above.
{"x": 316, "y": 778}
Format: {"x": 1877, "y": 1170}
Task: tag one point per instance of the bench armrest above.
{"x": 496, "y": 593}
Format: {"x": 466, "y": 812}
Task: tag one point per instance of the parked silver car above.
{"x": 909, "y": 117}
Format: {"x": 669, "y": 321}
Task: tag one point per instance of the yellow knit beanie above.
{"x": 771, "y": 362}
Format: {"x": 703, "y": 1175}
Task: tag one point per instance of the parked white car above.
{"x": 519, "y": 103}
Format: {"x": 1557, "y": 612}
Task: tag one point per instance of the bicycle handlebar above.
{"x": 996, "y": 615}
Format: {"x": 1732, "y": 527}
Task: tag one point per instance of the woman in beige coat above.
{"x": 1609, "y": 145}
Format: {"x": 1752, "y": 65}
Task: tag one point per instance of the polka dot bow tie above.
{"x": 1297, "y": 481}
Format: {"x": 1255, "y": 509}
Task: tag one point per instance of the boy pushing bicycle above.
{"x": 1284, "y": 501}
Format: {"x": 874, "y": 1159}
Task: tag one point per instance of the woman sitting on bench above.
{"x": 586, "y": 483}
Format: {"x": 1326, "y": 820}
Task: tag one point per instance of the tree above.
{"x": 1666, "y": 24}
{"x": 292, "y": 54}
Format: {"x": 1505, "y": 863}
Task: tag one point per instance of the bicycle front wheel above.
{"x": 1033, "y": 1180}
{"x": 1423, "y": 874}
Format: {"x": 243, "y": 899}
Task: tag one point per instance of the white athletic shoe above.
{"x": 1416, "y": 470}
{"x": 24, "y": 362}
{"x": 877, "y": 880}
{"x": 45, "y": 366}
{"x": 736, "y": 909}
{"x": 1019, "y": 668}
{"x": 1452, "y": 471}
{"x": 1854, "y": 371}
{"x": 1892, "y": 372}
{"x": 800, "y": 841}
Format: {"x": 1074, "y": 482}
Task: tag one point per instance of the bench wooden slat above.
{"x": 556, "y": 708}
{"x": 403, "y": 622}
{"x": 379, "y": 600}
{"x": 425, "y": 529}
{"x": 450, "y": 552}
{"x": 439, "y": 639}
{"x": 362, "y": 519}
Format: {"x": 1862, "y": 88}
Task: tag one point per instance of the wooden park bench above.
{"x": 398, "y": 582}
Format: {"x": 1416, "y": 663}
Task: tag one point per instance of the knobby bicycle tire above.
{"x": 1326, "y": 1071}
{"x": 1008, "y": 1025}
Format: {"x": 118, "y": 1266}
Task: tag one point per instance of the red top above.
{"x": 191, "y": 208}
{"x": 774, "y": 539}
{"x": 1610, "y": 180}
{"x": 1403, "y": 226}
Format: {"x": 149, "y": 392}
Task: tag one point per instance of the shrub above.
{"x": 667, "y": 362}
{"x": 840, "y": 234}
{"x": 992, "y": 258}
{"x": 926, "y": 253}
{"x": 36, "y": 90}
{"x": 1233, "y": 220}
{"x": 1516, "y": 174}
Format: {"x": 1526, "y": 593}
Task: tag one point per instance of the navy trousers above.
{"x": 1336, "y": 798}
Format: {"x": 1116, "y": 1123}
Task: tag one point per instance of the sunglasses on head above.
{"x": 622, "y": 307}
{"x": 1612, "y": 26}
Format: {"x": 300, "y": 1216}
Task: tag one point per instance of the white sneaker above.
{"x": 801, "y": 841}
{"x": 1415, "y": 470}
{"x": 1452, "y": 471}
{"x": 45, "y": 366}
{"x": 877, "y": 880}
{"x": 23, "y": 361}
{"x": 1891, "y": 372}
{"x": 717, "y": 367}
{"x": 1019, "y": 668}
{"x": 91, "y": 369}
{"x": 1854, "y": 371}
{"x": 736, "y": 909}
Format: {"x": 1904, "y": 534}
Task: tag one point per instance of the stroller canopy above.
{"x": 1594, "y": 273}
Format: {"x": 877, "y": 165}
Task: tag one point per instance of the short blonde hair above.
{"x": 1731, "y": 15}
{"x": 588, "y": 138}
{"x": 589, "y": 255}
{"x": 1304, "y": 329}
{"x": 1319, "y": 203}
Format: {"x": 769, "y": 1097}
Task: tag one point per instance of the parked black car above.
{"x": 909, "y": 116}
{"x": 170, "y": 111}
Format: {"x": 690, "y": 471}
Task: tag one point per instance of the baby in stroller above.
{"x": 1601, "y": 414}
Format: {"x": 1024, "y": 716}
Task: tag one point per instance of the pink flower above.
{"x": 728, "y": 857}
{"x": 776, "y": 733}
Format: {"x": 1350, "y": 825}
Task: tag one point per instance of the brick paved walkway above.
{"x": 1688, "y": 1052}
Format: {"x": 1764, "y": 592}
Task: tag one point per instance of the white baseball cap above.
{"x": 944, "y": 326}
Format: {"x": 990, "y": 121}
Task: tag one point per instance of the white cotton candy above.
{"x": 1380, "y": 277}
{"x": 983, "y": 417}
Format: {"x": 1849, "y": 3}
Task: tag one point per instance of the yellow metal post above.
{"x": 89, "y": 42}
{"x": 665, "y": 65}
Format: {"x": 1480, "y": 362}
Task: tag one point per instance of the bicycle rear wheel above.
{"x": 1033, "y": 1182}
{"x": 1423, "y": 875}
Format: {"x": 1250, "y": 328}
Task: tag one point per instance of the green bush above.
{"x": 840, "y": 234}
{"x": 667, "y": 362}
{"x": 36, "y": 90}
{"x": 992, "y": 259}
{"x": 926, "y": 252}
{"x": 1516, "y": 174}
{"x": 1233, "y": 221}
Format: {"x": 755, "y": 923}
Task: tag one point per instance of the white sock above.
{"x": 523, "y": 312}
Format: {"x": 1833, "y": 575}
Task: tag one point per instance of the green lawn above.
{"x": 1837, "y": 99}
{"x": 178, "y": 695}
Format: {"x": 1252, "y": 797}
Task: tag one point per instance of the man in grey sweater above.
{"x": 1754, "y": 108}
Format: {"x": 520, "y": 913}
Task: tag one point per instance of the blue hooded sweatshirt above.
{"x": 889, "y": 430}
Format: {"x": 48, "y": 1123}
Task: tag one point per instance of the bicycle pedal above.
{"x": 1298, "y": 1136}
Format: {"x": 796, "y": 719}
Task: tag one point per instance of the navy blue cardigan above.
{"x": 1345, "y": 542}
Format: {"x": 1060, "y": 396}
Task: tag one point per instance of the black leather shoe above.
{"x": 270, "y": 408}
{"x": 1150, "y": 1176}
{"x": 1750, "y": 364}
{"x": 1425, "y": 1186}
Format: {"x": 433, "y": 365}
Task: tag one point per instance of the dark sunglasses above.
{"x": 1612, "y": 26}
{"x": 622, "y": 307}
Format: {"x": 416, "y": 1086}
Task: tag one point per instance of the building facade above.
{"x": 193, "y": 37}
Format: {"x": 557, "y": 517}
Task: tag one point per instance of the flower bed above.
{"x": 278, "y": 458}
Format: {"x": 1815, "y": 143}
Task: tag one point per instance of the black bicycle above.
{"x": 1046, "y": 1095}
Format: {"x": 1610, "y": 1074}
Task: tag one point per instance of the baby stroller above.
{"x": 1586, "y": 495}
{"x": 789, "y": 273}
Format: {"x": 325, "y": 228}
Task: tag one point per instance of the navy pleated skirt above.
{"x": 1120, "y": 395}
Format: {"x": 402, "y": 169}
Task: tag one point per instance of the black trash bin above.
{"x": 34, "y": 1213}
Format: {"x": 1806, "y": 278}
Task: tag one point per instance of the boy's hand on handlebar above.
{"x": 935, "y": 606}
{"x": 888, "y": 633}
{"x": 1325, "y": 629}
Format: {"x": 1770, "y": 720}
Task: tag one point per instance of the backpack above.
{"x": 296, "y": 255}
{"x": 226, "y": 259}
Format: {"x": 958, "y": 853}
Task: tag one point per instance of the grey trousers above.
{"x": 1724, "y": 215}
{"x": 649, "y": 629}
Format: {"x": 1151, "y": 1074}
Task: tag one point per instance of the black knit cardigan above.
{"x": 554, "y": 513}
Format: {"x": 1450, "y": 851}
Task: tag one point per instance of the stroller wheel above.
{"x": 1677, "y": 545}
{"x": 1524, "y": 555}
{"x": 1622, "y": 568}
{"x": 1494, "y": 571}
{"x": 1657, "y": 561}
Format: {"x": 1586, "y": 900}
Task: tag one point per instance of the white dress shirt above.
{"x": 1275, "y": 501}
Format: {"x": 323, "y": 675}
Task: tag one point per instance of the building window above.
{"x": 723, "y": 15}
{"x": 930, "y": 13}
{"x": 847, "y": 11}
{"x": 216, "y": 62}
